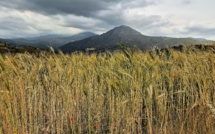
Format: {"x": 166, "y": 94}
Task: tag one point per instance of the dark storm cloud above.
{"x": 76, "y": 7}
{"x": 88, "y": 13}
{"x": 107, "y": 12}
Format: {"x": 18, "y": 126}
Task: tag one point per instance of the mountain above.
{"x": 130, "y": 38}
{"x": 44, "y": 42}
{"x": 199, "y": 39}
{"x": 109, "y": 40}
{"x": 45, "y": 36}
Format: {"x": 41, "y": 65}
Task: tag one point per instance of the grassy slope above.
{"x": 168, "y": 92}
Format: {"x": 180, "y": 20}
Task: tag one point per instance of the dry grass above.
{"x": 166, "y": 93}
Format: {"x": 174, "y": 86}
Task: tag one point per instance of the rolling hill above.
{"x": 5, "y": 48}
{"x": 44, "y": 42}
{"x": 130, "y": 38}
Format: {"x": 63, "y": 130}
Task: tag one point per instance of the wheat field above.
{"x": 125, "y": 92}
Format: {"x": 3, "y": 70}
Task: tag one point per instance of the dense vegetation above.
{"x": 163, "y": 92}
{"x": 5, "y": 48}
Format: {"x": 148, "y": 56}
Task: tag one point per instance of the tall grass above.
{"x": 123, "y": 92}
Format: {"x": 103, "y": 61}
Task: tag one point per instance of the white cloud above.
{"x": 14, "y": 24}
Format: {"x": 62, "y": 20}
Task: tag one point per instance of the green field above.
{"x": 157, "y": 92}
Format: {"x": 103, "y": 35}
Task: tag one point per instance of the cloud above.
{"x": 109, "y": 11}
{"x": 151, "y": 17}
{"x": 19, "y": 28}
{"x": 200, "y": 30}
{"x": 87, "y": 15}
{"x": 79, "y": 22}
{"x": 76, "y": 7}
{"x": 9, "y": 24}
{"x": 108, "y": 19}
{"x": 15, "y": 24}
{"x": 186, "y": 2}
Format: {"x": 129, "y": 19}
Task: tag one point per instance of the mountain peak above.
{"x": 124, "y": 31}
{"x": 127, "y": 36}
{"x": 123, "y": 27}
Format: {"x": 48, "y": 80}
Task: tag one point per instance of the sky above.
{"x": 172, "y": 18}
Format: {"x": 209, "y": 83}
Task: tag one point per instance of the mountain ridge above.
{"x": 130, "y": 38}
{"x": 46, "y": 41}
{"x": 106, "y": 41}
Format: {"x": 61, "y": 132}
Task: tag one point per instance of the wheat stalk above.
{"x": 212, "y": 108}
